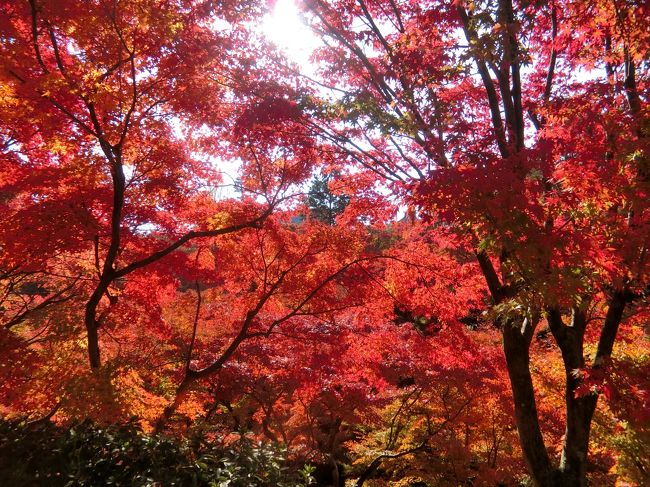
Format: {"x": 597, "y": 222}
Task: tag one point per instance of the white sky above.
{"x": 288, "y": 32}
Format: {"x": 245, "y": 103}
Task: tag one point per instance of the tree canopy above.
{"x": 435, "y": 266}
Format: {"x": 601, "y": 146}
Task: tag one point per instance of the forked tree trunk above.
{"x": 580, "y": 409}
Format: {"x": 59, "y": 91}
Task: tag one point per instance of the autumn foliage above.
{"x": 425, "y": 264}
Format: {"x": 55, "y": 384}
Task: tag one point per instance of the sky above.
{"x": 287, "y": 31}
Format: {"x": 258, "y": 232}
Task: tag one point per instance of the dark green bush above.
{"x": 90, "y": 455}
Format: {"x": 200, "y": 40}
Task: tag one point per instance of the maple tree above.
{"x": 479, "y": 179}
{"x": 92, "y": 99}
{"x": 476, "y": 114}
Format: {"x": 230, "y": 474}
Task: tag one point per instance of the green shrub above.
{"x": 90, "y": 455}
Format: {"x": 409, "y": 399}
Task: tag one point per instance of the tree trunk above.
{"x": 580, "y": 410}
{"x": 517, "y": 336}
{"x": 516, "y": 347}
{"x": 572, "y": 470}
{"x": 573, "y": 464}
{"x": 93, "y": 346}
{"x": 90, "y": 321}
{"x": 92, "y": 324}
